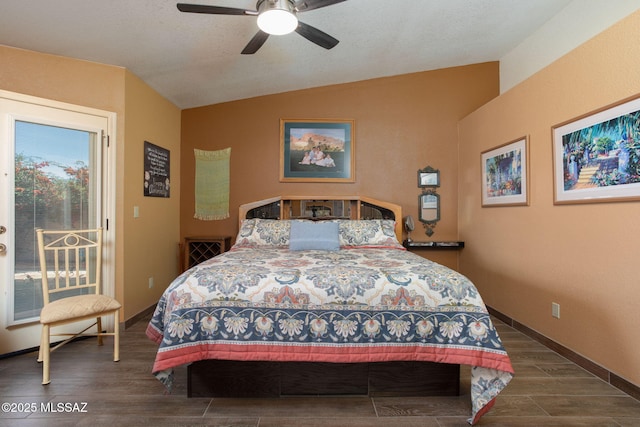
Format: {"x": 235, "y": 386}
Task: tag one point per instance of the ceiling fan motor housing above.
{"x": 264, "y": 5}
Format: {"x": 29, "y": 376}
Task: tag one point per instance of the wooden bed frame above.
{"x": 230, "y": 378}
{"x": 227, "y": 378}
{"x": 353, "y": 207}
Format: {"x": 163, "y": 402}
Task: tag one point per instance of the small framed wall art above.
{"x": 156, "y": 171}
{"x": 504, "y": 174}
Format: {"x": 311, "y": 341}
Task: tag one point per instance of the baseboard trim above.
{"x": 137, "y": 317}
{"x": 588, "y": 365}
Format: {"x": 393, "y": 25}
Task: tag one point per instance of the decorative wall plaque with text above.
{"x": 156, "y": 171}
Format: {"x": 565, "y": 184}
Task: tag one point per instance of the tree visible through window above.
{"x": 53, "y": 190}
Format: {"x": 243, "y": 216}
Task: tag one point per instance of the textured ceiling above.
{"x": 195, "y": 60}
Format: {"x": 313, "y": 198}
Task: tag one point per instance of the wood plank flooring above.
{"x": 547, "y": 390}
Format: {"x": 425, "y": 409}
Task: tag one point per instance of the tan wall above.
{"x": 77, "y": 82}
{"x": 402, "y": 124}
{"x": 581, "y": 256}
{"x": 141, "y": 114}
{"x": 62, "y": 79}
{"x": 151, "y": 240}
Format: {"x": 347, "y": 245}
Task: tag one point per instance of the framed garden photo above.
{"x": 504, "y": 174}
{"x": 596, "y": 157}
{"x": 317, "y": 150}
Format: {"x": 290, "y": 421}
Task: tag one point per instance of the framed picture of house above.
{"x": 596, "y": 157}
{"x": 505, "y": 174}
{"x": 317, "y": 150}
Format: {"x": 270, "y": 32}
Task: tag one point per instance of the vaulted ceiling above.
{"x": 194, "y": 59}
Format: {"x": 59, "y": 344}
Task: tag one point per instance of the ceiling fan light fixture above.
{"x": 276, "y": 17}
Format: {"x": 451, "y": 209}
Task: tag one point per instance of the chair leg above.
{"x": 99, "y": 326}
{"x": 116, "y": 336}
{"x": 42, "y": 336}
{"x": 45, "y": 354}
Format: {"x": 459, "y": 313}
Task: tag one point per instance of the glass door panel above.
{"x": 56, "y": 179}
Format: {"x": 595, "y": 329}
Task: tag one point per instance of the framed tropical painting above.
{"x": 504, "y": 174}
{"x": 596, "y": 157}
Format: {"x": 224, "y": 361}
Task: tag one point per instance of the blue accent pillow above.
{"x": 309, "y": 235}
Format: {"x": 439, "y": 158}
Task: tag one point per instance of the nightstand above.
{"x": 199, "y": 249}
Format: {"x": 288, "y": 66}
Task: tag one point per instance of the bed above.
{"x": 332, "y": 306}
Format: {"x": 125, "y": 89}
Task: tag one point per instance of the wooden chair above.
{"x": 71, "y": 267}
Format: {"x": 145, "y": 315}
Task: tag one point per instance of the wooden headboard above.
{"x": 323, "y": 207}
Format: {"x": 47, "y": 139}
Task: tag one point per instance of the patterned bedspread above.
{"x": 352, "y": 305}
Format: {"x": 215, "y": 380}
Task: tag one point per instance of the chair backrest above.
{"x": 70, "y": 262}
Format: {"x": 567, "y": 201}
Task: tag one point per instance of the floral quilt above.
{"x": 351, "y": 305}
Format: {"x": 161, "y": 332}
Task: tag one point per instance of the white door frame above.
{"x": 108, "y": 214}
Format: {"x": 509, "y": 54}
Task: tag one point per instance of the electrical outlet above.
{"x": 555, "y": 310}
{"x": 150, "y": 282}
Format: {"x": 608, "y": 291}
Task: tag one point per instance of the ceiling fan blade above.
{"x": 255, "y": 43}
{"x": 214, "y": 10}
{"x": 316, "y": 36}
{"x": 304, "y": 5}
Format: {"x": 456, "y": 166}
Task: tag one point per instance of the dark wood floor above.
{"x": 548, "y": 390}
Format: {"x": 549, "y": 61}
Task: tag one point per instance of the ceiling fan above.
{"x": 275, "y": 17}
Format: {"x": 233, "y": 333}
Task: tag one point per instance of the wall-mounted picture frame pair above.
{"x": 596, "y": 158}
{"x": 429, "y": 199}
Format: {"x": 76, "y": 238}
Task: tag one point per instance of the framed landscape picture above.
{"x": 317, "y": 151}
{"x": 596, "y": 157}
{"x": 504, "y": 174}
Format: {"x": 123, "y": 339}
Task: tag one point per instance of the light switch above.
{"x": 136, "y": 211}
{"x": 555, "y": 310}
